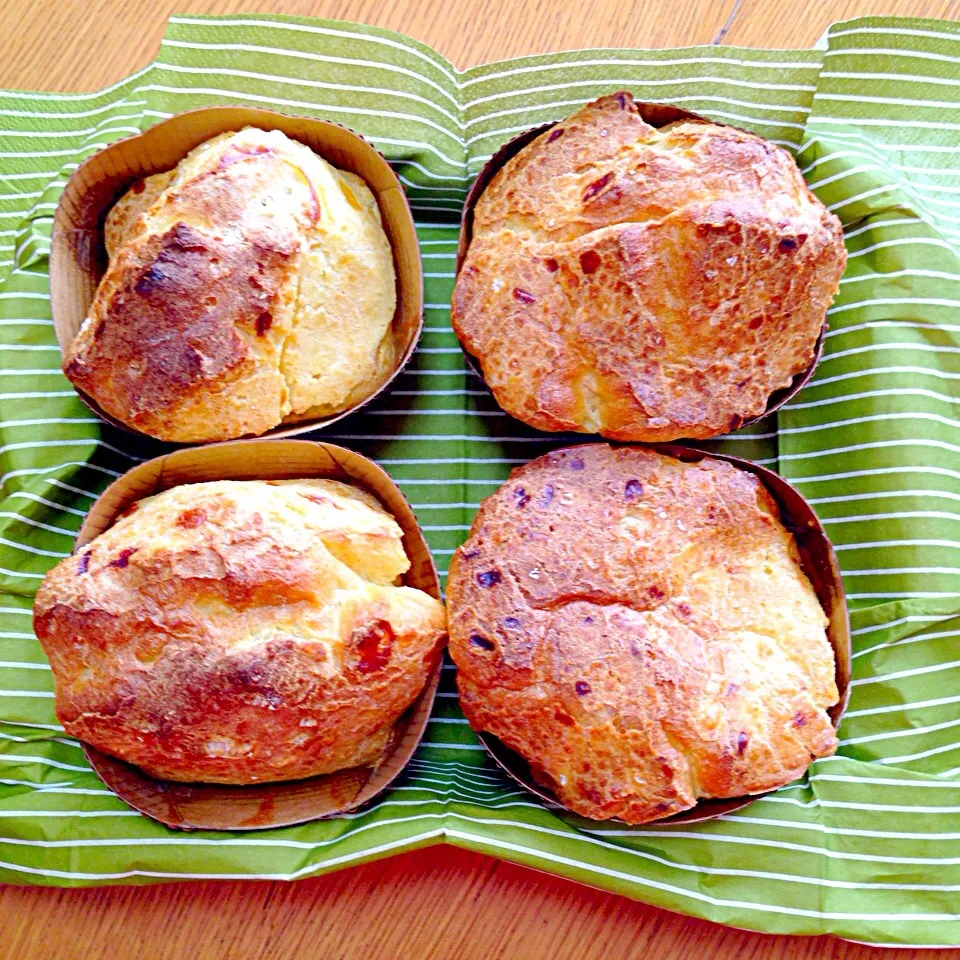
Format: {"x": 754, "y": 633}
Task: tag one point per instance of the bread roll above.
{"x": 252, "y": 285}
{"x": 640, "y": 630}
{"x": 645, "y": 284}
{"x": 240, "y": 632}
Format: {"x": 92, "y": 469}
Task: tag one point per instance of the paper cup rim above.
{"x": 826, "y": 580}
{"x": 409, "y": 288}
{"x": 182, "y": 805}
{"x": 649, "y": 111}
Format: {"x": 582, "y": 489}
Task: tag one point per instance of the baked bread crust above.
{"x": 240, "y": 632}
{"x": 645, "y": 284}
{"x": 252, "y": 285}
{"x": 640, "y": 630}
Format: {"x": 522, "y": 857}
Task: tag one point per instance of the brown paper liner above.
{"x": 260, "y": 806}
{"x": 819, "y": 563}
{"x": 78, "y": 257}
{"x": 657, "y": 115}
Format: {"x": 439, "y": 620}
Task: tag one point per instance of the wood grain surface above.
{"x": 439, "y": 902}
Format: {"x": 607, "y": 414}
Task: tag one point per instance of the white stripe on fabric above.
{"x": 322, "y": 58}
{"x": 503, "y": 132}
{"x": 868, "y": 153}
{"x": 880, "y": 471}
{"x": 897, "y": 515}
{"x": 440, "y": 437}
{"x": 895, "y": 571}
{"x": 901, "y": 301}
{"x": 39, "y": 726}
{"x": 366, "y": 852}
{"x": 610, "y": 83}
{"x": 881, "y": 494}
{"x": 45, "y": 761}
{"x": 886, "y": 372}
{"x": 906, "y": 241}
{"x": 52, "y": 115}
{"x": 922, "y": 755}
{"x": 897, "y": 734}
{"x": 94, "y": 441}
{"x": 892, "y": 325}
{"x": 895, "y": 623}
{"x": 933, "y": 783}
{"x": 33, "y": 471}
{"x": 875, "y": 192}
{"x": 29, "y": 521}
{"x": 878, "y": 224}
{"x": 841, "y": 831}
{"x": 621, "y": 62}
{"x": 907, "y": 641}
{"x": 903, "y": 595}
{"x": 366, "y": 38}
{"x": 893, "y": 52}
{"x": 819, "y": 802}
{"x": 885, "y": 122}
{"x": 879, "y": 544}
{"x": 901, "y": 674}
{"x": 891, "y": 101}
{"x": 26, "y": 495}
{"x": 582, "y": 866}
{"x": 494, "y": 822}
{"x": 563, "y": 108}
{"x": 934, "y": 444}
{"x": 451, "y": 746}
{"x": 422, "y": 186}
{"x": 73, "y": 489}
{"x": 29, "y": 576}
{"x": 457, "y": 460}
{"x": 323, "y": 85}
{"x": 913, "y": 272}
{"x": 32, "y": 95}
{"x": 413, "y": 412}
{"x": 885, "y": 417}
{"x": 68, "y": 813}
{"x": 36, "y": 551}
{"x": 54, "y": 134}
{"x": 306, "y": 106}
{"x": 57, "y": 788}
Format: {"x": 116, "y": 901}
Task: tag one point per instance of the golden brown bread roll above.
{"x": 238, "y": 632}
{"x": 640, "y": 630}
{"x": 252, "y": 285}
{"x": 645, "y": 284}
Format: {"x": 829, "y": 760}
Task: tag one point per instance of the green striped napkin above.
{"x": 867, "y": 846}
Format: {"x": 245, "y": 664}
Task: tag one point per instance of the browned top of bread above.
{"x": 645, "y": 284}
{"x": 123, "y": 221}
{"x": 640, "y": 630}
{"x": 236, "y": 632}
{"x": 253, "y": 284}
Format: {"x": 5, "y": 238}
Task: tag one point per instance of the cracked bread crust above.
{"x": 240, "y": 632}
{"x": 639, "y": 629}
{"x": 252, "y": 285}
{"x": 645, "y": 284}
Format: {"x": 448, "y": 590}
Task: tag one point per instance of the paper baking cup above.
{"x": 657, "y": 115}
{"x": 195, "y": 806}
{"x": 78, "y": 257}
{"x": 819, "y": 563}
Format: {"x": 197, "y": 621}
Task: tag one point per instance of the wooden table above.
{"x": 440, "y": 902}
